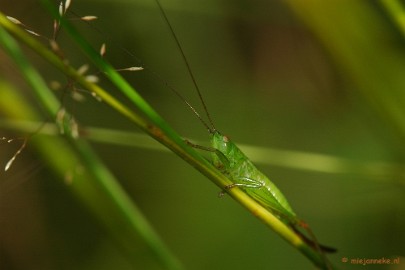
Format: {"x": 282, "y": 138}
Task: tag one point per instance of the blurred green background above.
{"x": 317, "y": 77}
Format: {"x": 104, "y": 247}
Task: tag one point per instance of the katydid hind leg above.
{"x": 248, "y": 183}
{"x": 313, "y": 242}
{"x": 251, "y": 184}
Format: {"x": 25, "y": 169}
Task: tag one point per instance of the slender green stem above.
{"x": 156, "y": 127}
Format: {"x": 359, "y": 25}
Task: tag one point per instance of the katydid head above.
{"x": 223, "y": 146}
{"x": 219, "y": 141}
{"x": 222, "y": 143}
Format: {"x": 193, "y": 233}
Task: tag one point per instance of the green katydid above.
{"x": 231, "y": 161}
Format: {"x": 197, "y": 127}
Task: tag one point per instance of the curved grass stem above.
{"x": 151, "y": 123}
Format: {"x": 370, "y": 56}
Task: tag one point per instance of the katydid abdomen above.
{"x": 230, "y": 160}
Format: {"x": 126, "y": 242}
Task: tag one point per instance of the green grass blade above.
{"x": 97, "y": 187}
{"x": 353, "y": 44}
{"x": 292, "y": 159}
{"x": 396, "y": 11}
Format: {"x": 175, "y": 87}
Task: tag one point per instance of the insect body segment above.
{"x": 244, "y": 174}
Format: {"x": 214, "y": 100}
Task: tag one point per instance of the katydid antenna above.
{"x": 211, "y": 128}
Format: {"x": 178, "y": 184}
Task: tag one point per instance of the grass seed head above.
{"x": 61, "y": 9}
{"x": 92, "y": 78}
{"x": 83, "y": 69}
{"x": 136, "y": 68}
{"x": 32, "y": 32}
{"x": 67, "y": 4}
{"x": 14, "y": 20}
{"x": 89, "y": 18}
{"x": 103, "y": 49}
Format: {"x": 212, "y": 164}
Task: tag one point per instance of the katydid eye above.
{"x": 225, "y": 139}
